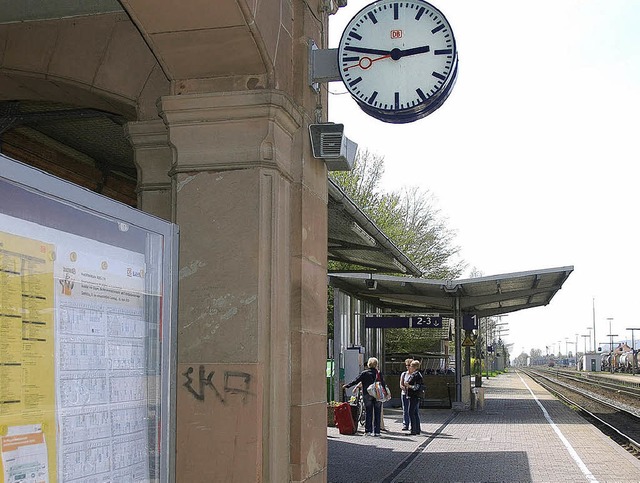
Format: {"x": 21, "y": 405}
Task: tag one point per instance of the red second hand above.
{"x": 366, "y": 62}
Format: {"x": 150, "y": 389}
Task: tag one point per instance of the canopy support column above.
{"x": 457, "y": 315}
{"x": 337, "y": 343}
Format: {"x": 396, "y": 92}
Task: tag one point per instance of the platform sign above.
{"x": 469, "y": 322}
{"x": 430, "y": 321}
{"x": 426, "y": 322}
{"x": 386, "y": 322}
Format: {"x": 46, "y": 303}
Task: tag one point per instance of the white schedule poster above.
{"x": 102, "y": 396}
{"x": 86, "y": 419}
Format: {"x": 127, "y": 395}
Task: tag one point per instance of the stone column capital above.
{"x": 152, "y": 157}
{"x": 231, "y": 130}
{"x": 147, "y": 134}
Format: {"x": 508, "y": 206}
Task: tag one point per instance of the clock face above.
{"x": 398, "y": 59}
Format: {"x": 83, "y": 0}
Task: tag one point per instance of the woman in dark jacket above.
{"x": 414, "y": 384}
{"x": 373, "y": 407}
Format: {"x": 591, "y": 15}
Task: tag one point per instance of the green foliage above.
{"x": 412, "y": 222}
{"x": 476, "y": 365}
{"x": 521, "y": 360}
{"x": 408, "y": 217}
{"x": 330, "y": 304}
{"x": 410, "y": 341}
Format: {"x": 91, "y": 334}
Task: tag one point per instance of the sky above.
{"x": 533, "y": 159}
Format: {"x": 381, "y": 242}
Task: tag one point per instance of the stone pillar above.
{"x": 152, "y": 156}
{"x": 248, "y": 225}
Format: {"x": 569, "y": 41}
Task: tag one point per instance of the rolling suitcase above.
{"x": 343, "y": 418}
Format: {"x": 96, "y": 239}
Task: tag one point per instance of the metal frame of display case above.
{"x": 49, "y": 187}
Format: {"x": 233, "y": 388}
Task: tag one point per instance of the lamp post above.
{"x": 633, "y": 350}
{"x": 593, "y": 300}
{"x": 487, "y": 322}
{"x": 611, "y": 336}
{"x": 590, "y": 329}
{"x": 502, "y": 330}
{"x": 496, "y": 328}
{"x": 610, "y": 319}
{"x": 566, "y": 343}
{"x": 576, "y": 346}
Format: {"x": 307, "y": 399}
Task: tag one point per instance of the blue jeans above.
{"x": 373, "y": 411}
{"x": 414, "y": 414}
{"x": 405, "y": 411}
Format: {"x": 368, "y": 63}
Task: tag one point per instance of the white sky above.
{"x": 533, "y": 158}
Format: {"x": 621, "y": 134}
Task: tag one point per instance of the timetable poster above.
{"x": 27, "y": 364}
{"x": 74, "y": 403}
{"x": 102, "y": 397}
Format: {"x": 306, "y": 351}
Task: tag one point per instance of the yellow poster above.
{"x": 27, "y": 364}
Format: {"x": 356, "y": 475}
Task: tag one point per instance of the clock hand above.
{"x": 415, "y": 50}
{"x": 366, "y": 62}
{"x": 365, "y": 50}
{"x": 397, "y": 54}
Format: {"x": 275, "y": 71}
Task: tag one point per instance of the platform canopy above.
{"x": 355, "y": 239}
{"x": 481, "y": 296}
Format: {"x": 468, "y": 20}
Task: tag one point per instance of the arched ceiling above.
{"x": 195, "y": 40}
{"x": 12, "y": 11}
{"x": 73, "y": 72}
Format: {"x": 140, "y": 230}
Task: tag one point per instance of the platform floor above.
{"x": 523, "y": 434}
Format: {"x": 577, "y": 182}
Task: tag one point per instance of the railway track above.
{"x": 616, "y": 379}
{"x": 616, "y": 415}
{"x": 623, "y": 392}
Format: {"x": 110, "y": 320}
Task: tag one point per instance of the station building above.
{"x": 198, "y": 112}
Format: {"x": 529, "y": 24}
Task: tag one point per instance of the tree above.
{"x": 521, "y": 360}
{"x": 411, "y": 220}
{"x": 408, "y": 217}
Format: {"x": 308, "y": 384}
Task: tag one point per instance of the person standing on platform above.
{"x": 404, "y": 396}
{"x": 415, "y": 386}
{"x": 373, "y": 407}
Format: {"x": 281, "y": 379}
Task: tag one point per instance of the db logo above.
{"x": 396, "y": 34}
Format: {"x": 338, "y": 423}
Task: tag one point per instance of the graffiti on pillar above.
{"x": 234, "y": 382}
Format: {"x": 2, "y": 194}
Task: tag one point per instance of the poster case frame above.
{"x": 50, "y": 187}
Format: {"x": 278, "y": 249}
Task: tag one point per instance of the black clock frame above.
{"x": 424, "y": 108}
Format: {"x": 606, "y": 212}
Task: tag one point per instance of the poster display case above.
{"x": 87, "y": 311}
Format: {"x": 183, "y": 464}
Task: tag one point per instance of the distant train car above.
{"x": 552, "y": 363}
{"x": 620, "y": 360}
